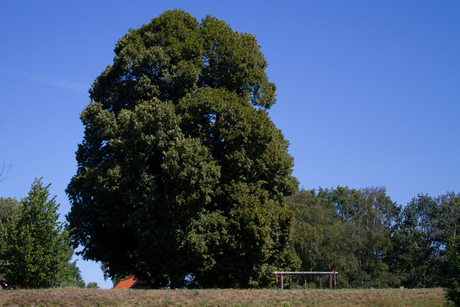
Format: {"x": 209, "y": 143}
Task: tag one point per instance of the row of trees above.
{"x": 35, "y": 250}
{"x": 371, "y": 240}
{"x": 362, "y": 234}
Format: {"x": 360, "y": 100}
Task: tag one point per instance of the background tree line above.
{"x": 372, "y": 241}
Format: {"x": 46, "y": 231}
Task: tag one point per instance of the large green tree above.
{"x": 420, "y": 237}
{"x": 368, "y": 214}
{"x": 35, "y": 247}
{"x": 319, "y": 235}
{"x": 414, "y": 257}
{"x": 181, "y": 172}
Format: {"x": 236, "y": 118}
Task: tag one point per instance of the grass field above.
{"x": 192, "y": 298}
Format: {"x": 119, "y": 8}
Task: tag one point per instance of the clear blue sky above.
{"x": 368, "y": 91}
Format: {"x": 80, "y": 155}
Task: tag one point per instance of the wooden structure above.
{"x": 132, "y": 283}
{"x": 332, "y": 275}
{"x": 3, "y": 284}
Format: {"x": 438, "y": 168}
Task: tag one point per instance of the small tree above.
{"x": 9, "y": 209}
{"x": 70, "y": 277}
{"x": 92, "y": 285}
{"x": 35, "y": 246}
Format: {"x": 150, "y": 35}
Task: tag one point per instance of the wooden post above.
{"x": 332, "y": 275}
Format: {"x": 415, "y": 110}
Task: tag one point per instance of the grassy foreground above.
{"x": 285, "y": 298}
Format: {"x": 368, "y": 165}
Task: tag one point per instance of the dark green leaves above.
{"x": 346, "y": 230}
{"x": 371, "y": 241}
{"x": 421, "y": 235}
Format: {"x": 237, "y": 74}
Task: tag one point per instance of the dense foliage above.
{"x": 420, "y": 237}
{"x": 346, "y": 230}
{"x": 373, "y": 242}
{"x": 181, "y": 172}
{"x": 452, "y": 283}
{"x": 35, "y": 248}
{"x": 9, "y": 210}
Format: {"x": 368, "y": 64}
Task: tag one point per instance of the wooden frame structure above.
{"x": 333, "y": 273}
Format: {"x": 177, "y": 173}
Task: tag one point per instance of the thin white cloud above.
{"x": 65, "y": 84}
{"x": 304, "y": 29}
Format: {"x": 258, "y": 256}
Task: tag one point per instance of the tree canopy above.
{"x": 181, "y": 172}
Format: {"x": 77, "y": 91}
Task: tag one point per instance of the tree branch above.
{"x": 4, "y": 170}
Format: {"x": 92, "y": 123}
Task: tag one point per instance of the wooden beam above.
{"x": 331, "y": 274}
{"x": 307, "y": 273}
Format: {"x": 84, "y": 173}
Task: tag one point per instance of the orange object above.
{"x": 126, "y": 283}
